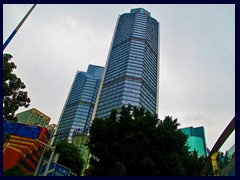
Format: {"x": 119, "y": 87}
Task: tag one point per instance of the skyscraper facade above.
{"x": 131, "y": 71}
{"x": 78, "y": 109}
{"x": 196, "y": 139}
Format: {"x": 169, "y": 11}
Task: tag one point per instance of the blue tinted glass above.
{"x": 80, "y": 103}
{"x": 131, "y": 75}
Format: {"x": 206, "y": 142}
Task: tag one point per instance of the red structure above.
{"x": 23, "y": 151}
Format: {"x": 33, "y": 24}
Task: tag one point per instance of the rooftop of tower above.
{"x": 141, "y": 11}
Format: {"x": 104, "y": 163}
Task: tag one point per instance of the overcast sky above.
{"x": 197, "y": 57}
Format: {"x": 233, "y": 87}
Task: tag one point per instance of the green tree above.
{"x": 6, "y": 138}
{"x": 13, "y": 94}
{"x": 70, "y": 156}
{"x": 14, "y": 171}
{"x": 135, "y": 134}
{"x": 193, "y": 164}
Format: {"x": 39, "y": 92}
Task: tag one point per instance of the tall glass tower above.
{"x": 131, "y": 72}
{"x": 78, "y": 109}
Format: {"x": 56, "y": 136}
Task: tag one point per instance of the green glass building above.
{"x": 33, "y": 117}
{"x": 196, "y": 139}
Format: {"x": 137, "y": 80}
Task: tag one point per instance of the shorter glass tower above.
{"x": 78, "y": 109}
{"x": 196, "y": 140}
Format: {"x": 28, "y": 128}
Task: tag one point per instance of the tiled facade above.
{"x": 79, "y": 106}
{"x": 131, "y": 71}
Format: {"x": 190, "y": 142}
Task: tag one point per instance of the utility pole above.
{"x": 18, "y": 27}
{"x": 6, "y": 147}
{"x": 49, "y": 160}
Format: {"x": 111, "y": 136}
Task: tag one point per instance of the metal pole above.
{"x": 221, "y": 140}
{"x": 43, "y": 143}
{"x": 18, "y": 27}
{"x": 49, "y": 162}
{"x": 46, "y": 145}
{"x": 53, "y": 138}
{"x": 38, "y": 166}
{"x": 6, "y": 147}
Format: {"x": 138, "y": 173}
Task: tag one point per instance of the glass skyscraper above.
{"x": 78, "y": 109}
{"x": 132, "y": 67}
{"x": 196, "y": 140}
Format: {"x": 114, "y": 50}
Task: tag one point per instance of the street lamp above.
{"x": 6, "y": 147}
{"x": 49, "y": 161}
{"x": 50, "y": 158}
{"x": 18, "y": 27}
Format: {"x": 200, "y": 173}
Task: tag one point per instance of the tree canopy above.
{"x": 69, "y": 156}
{"x": 135, "y": 137}
{"x": 14, "y": 171}
{"x": 13, "y": 94}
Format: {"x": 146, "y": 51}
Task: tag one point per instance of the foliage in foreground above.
{"x": 134, "y": 135}
{"x": 6, "y": 138}
{"x": 13, "y": 94}
{"x": 70, "y": 157}
{"x": 14, "y": 171}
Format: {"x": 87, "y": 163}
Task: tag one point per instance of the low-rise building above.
{"x": 33, "y": 117}
{"x": 22, "y": 148}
